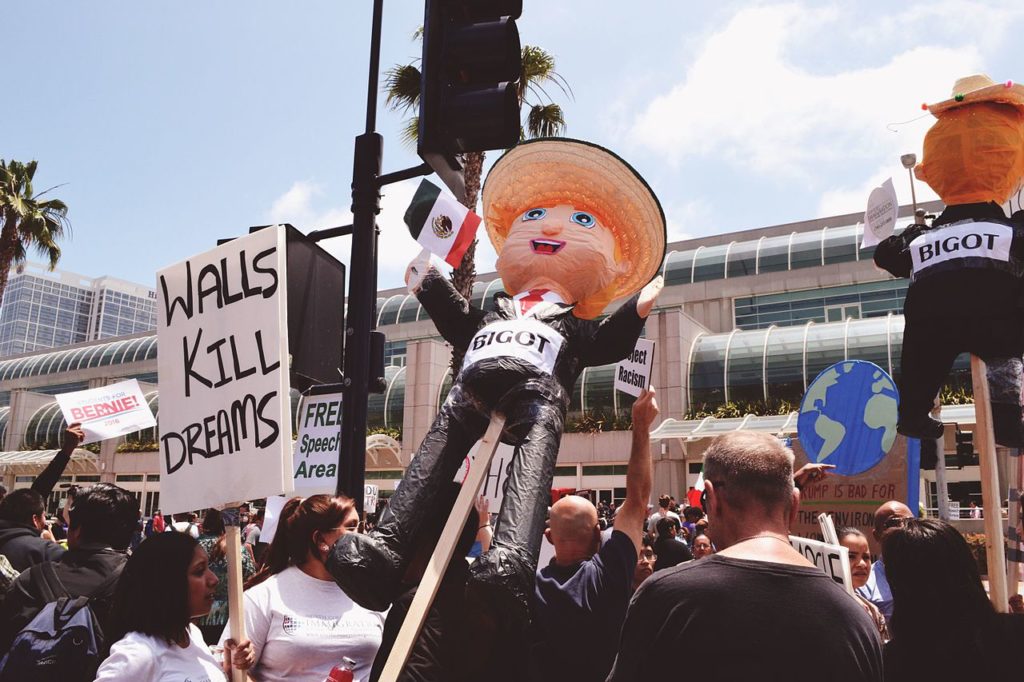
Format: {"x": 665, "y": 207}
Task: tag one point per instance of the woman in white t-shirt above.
{"x": 300, "y": 622}
{"x": 165, "y": 584}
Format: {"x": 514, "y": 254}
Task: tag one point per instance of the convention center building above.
{"x": 746, "y": 321}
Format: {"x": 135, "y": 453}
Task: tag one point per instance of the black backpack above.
{"x": 64, "y": 641}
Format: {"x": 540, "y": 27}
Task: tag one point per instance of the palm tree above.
{"x": 543, "y": 119}
{"x": 27, "y": 221}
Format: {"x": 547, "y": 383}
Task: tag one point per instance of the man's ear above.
{"x": 713, "y": 501}
{"x": 547, "y": 535}
{"x": 795, "y": 502}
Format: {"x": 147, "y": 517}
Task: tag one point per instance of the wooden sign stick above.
{"x": 443, "y": 552}
{"x": 236, "y": 616}
{"x": 984, "y": 439}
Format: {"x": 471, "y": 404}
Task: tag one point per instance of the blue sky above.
{"x": 174, "y": 124}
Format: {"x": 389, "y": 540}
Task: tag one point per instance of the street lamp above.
{"x": 909, "y": 161}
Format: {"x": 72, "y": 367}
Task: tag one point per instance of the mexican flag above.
{"x": 440, "y": 224}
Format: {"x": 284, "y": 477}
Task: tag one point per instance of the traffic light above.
{"x": 965, "y": 454}
{"x": 469, "y": 100}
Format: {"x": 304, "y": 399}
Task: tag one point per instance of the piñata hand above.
{"x": 648, "y": 295}
{"x": 417, "y": 270}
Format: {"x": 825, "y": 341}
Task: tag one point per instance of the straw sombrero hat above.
{"x": 980, "y": 88}
{"x": 555, "y": 170}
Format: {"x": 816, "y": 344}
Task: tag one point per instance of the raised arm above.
{"x": 632, "y": 514}
{"x": 44, "y": 483}
{"x": 616, "y": 335}
{"x": 454, "y": 318}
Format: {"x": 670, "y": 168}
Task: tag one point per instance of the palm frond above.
{"x": 411, "y": 132}
{"x": 545, "y": 120}
{"x": 402, "y": 85}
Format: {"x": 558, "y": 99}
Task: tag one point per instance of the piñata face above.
{"x": 560, "y": 247}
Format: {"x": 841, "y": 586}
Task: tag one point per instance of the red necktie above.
{"x": 532, "y": 298}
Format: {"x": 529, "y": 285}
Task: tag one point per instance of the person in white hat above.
{"x": 966, "y": 291}
{"x": 575, "y": 228}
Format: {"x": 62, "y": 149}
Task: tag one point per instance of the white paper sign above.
{"x": 108, "y": 411}
{"x": 272, "y": 517}
{"x": 370, "y": 495}
{"x": 990, "y": 241}
{"x": 493, "y": 487}
{"x": 524, "y": 338}
{"x": 315, "y": 458}
{"x": 633, "y": 374}
{"x": 880, "y": 216}
{"x": 833, "y": 559}
{"x": 225, "y": 427}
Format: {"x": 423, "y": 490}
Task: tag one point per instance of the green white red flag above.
{"x": 441, "y": 224}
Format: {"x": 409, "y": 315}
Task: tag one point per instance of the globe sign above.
{"x": 848, "y": 417}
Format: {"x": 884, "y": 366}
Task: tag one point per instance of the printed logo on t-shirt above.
{"x": 966, "y": 240}
{"x": 524, "y": 339}
{"x": 320, "y": 626}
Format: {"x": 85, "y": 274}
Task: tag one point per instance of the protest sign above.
{"x": 225, "y": 428}
{"x": 833, "y": 559}
{"x": 633, "y": 374}
{"x": 848, "y": 419}
{"x": 880, "y": 216}
{"x": 271, "y": 517}
{"x": 493, "y": 487}
{"x": 315, "y": 459}
{"x": 370, "y": 495}
{"x": 828, "y": 529}
{"x": 108, "y": 411}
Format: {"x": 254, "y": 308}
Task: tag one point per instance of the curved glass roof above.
{"x": 777, "y": 363}
{"x": 70, "y": 359}
{"x": 5, "y": 414}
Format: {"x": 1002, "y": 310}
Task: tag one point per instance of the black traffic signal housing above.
{"x": 965, "y": 454}
{"x": 929, "y": 454}
{"x": 469, "y": 98}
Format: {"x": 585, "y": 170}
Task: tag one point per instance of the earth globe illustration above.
{"x": 848, "y": 416}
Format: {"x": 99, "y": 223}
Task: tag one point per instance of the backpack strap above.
{"x": 46, "y": 583}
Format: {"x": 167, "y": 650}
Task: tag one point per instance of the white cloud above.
{"x": 745, "y": 101}
{"x": 687, "y": 220}
{"x": 843, "y": 200}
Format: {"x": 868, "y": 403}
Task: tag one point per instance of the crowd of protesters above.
{"x": 630, "y": 588}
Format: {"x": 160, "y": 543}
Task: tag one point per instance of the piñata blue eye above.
{"x": 583, "y": 218}
{"x": 535, "y": 214}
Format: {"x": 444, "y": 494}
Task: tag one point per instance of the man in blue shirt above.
{"x": 581, "y": 597}
{"x": 890, "y": 515}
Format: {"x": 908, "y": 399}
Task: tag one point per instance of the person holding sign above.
{"x": 575, "y": 228}
{"x": 300, "y": 623}
{"x": 965, "y": 270}
{"x": 729, "y": 606}
{"x": 151, "y": 630}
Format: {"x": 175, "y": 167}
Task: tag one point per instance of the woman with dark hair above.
{"x": 150, "y": 628}
{"x": 212, "y": 539}
{"x": 943, "y": 626}
{"x": 860, "y": 569}
{"x": 300, "y": 622}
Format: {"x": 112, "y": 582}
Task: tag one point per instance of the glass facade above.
{"x": 113, "y": 353}
{"x": 43, "y": 309}
{"x": 831, "y": 304}
{"x": 778, "y": 363}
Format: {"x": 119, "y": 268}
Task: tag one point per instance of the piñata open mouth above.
{"x": 546, "y": 247}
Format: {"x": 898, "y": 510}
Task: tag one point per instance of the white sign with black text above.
{"x": 493, "y": 487}
{"x": 315, "y": 459}
{"x": 833, "y": 559}
{"x": 225, "y": 427}
{"x": 108, "y": 411}
{"x": 525, "y": 339}
{"x": 880, "y": 216}
{"x": 370, "y": 496}
{"x": 633, "y": 374}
